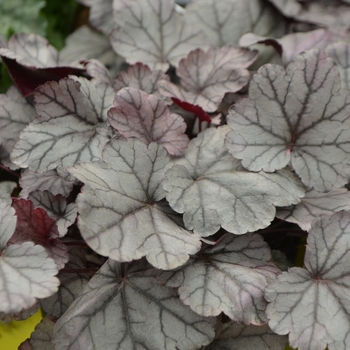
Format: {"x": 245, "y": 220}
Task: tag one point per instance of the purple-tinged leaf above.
{"x": 41, "y": 338}
{"x": 146, "y": 117}
{"x": 8, "y": 220}
{"x": 340, "y": 52}
{"x": 71, "y": 127}
{"x": 207, "y": 75}
{"x": 57, "y": 208}
{"x": 25, "y": 345}
{"x": 120, "y": 213}
{"x": 71, "y": 285}
{"x": 315, "y": 204}
{"x": 100, "y": 14}
{"x": 26, "y": 274}
{"x": 154, "y": 33}
{"x": 140, "y": 313}
{"x": 312, "y": 304}
{"x": 229, "y": 277}
{"x": 236, "y": 336}
{"x": 139, "y": 76}
{"x": 32, "y": 61}
{"x": 86, "y": 44}
{"x": 297, "y": 116}
{"x": 247, "y": 200}
{"x": 36, "y": 226}
{"x": 225, "y": 21}
{"x": 15, "y": 114}
{"x": 57, "y": 181}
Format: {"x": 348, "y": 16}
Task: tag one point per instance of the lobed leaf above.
{"x": 71, "y": 127}
{"x": 153, "y": 32}
{"x": 26, "y": 274}
{"x": 246, "y": 202}
{"x": 140, "y": 313}
{"x": 120, "y": 213}
{"x": 312, "y": 304}
{"x": 146, "y": 117}
{"x": 207, "y": 75}
{"x": 299, "y": 117}
{"x": 229, "y": 277}
{"x": 8, "y": 220}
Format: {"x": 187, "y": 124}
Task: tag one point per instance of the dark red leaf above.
{"x": 197, "y": 110}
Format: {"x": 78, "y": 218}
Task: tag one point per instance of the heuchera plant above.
{"x": 160, "y": 179}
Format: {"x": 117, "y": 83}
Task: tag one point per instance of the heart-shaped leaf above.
{"x": 246, "y": 202}
{"x": 146, "y": 117}
{"x": 298, "y": 116}
{"x": 120, "y": 213}
{"x": 71, "y": 127}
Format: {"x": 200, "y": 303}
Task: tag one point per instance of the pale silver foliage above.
{"x": 247, "y": 200}
{"x": 26, "y": 274}
{"x": 120, "y": 216}
{"x": 229, "y": 277}
{"x": 8, "y": 219}
{"x": 41, "y": 338}
{"x": 137, "y": 311}
{"x": 225, "y": 21}
{"x": 315, "y": 204}
{"x": 298, "y": 116}
{"x": 71, "y": 126}
{"x": 147, "y": 117}
{"x": 15, "y": 114}
{"x": 312, "y": 304}
{"x": 206, "y": 76}
{"x": 152, "y": 31}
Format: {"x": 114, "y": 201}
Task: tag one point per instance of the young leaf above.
{"x": 139, "y": 76}
{"x": 312, "y": 304}
{"x": 71, "y": 127}
{"x": 120, "y": 213}
{"x": 207, "y": 75}
{"x": 57, "y": 208}
{"x": 298, "y": 116}
{"x": 225, "y": 21}
{"x": 36, "y": 226}
{"x": 57, "y": 181}
{"x": 154, "y": 33}
{"x": 315, "y": 204}
{"x": 140, "y": 314}
{"x": 15, "y": 114}
{"x": 229, "y": 277}
{"x": 246, "y": 202}
{"x": 146, "y": 117}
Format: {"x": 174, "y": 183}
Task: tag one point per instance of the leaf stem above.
{"x": 9, "y": 171}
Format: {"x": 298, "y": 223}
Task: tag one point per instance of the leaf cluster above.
{"x": 166, "y": 167}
